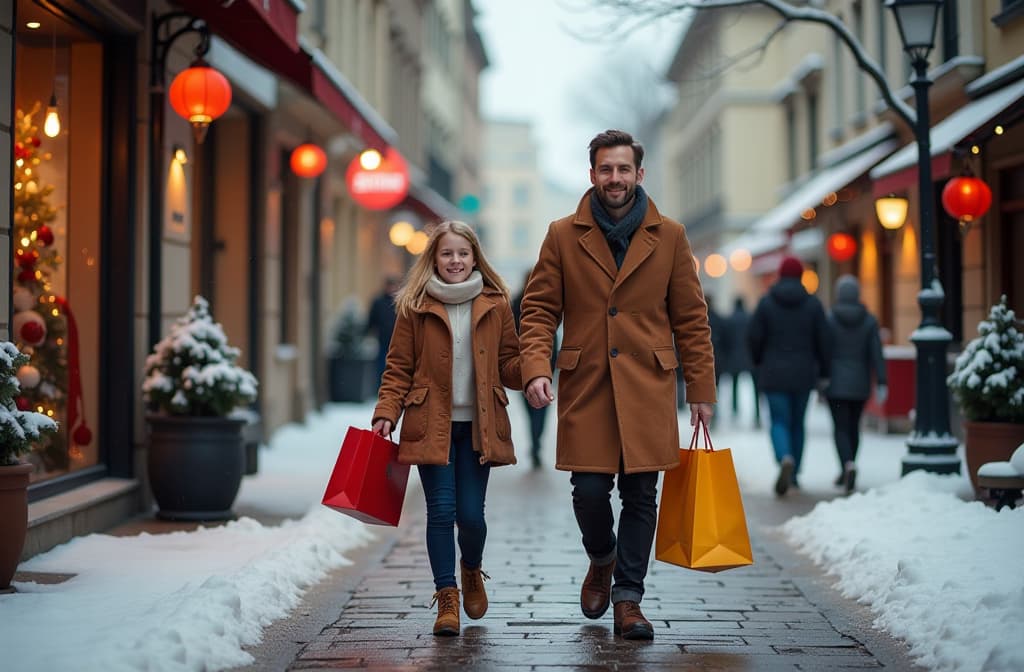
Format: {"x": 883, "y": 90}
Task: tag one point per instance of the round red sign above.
{"x": 382, "y": 187}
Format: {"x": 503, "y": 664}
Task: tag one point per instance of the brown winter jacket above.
{"x": 622, "y": 327}
{"x": 417, "y": 381}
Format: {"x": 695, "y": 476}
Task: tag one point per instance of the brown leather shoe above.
{"x": 474, "y": 597}
{"x": 447, "y": 623}
{"x": 595, "y": 595}
{"x": 630, "y": 621}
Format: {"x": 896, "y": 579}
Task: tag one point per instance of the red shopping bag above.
{"x": 368, "y": 483}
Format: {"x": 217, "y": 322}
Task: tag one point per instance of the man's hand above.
{"x": 538, "y": 392}
{"x": 703, "y": 411}
{"x": 382, "y": 427}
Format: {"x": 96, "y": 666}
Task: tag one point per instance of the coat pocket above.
{"x": 666, "y": 358}
{"x": 414, "y": 421}
{"x": 502, "y": 426}
{"x": 568, "y": 358}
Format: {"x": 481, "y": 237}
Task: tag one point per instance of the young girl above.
{"x": 453, "y": 352}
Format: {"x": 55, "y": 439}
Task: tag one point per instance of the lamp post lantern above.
{"x": 931, "y": 446}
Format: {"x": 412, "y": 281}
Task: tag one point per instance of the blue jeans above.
{"x": 787, "y": 429}
{"x": 455, "y": 494}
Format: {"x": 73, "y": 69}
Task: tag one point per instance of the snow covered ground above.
{"x": 940, "y": 572}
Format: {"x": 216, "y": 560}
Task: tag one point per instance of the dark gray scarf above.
{"x": 621, "y": 232}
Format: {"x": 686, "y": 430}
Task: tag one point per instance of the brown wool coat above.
{"x": 622, "y": 327}
{"x": 417, "y": 381}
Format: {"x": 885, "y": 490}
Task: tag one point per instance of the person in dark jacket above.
{"x": 856, "y": 354}
{"x": 789, "y": 343}
{"x": 381, "y": 321}
{"x": 738, "y": 360}
{"x": 538, "y": 416}
{"x": 721, "y": 339}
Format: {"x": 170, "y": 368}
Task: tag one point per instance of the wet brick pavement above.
{"x": 778, "y": 614}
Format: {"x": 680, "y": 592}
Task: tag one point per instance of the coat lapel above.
{"x": 640, "y": 248}
{"x": 594, "y": 244}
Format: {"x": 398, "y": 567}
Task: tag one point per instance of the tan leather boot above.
{"x": 474, "y": 597}
{"x": 596, "y": 591}
{"x": 630, "y": 622}
{"x": 447, "y": 601}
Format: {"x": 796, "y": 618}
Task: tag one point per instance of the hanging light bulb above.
{"x": 51, "y": 126}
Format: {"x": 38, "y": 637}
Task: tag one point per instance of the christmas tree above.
{"x": 988, "y": 378}
{"x": 18, "y": 428}
{"x": 39, "y": 326}
{"x": 192, "y": 370}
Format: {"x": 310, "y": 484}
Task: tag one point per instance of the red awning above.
{"x": 899, "y": 182}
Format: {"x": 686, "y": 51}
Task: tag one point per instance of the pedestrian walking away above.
{"x": 738, "y": 360}
{"x": 857, "y": 353}
{"x": 789, "y": 343}
{"x": 537, "y": 416}
{"x": 381, "y": 321}
{"x": 453, "y": 353}
{"x": 620, "y": 278}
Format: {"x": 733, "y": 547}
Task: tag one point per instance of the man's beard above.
{"x": 609, "y": 204}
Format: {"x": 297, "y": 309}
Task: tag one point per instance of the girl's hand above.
{"x": 382, "y": 428}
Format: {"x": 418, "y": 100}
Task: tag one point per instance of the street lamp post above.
{"x": 931, "y": 446}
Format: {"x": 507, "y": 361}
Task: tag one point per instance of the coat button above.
{"x": 615, "y": 352}
{"x": 613, "y": 311}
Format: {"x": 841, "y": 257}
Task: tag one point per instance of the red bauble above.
{"x": 26, "y": 258}
{"x": 32, "y": 332}
{"x": 35, "y": 141}
{"x": 22, "y": 403}
{"x": 26, "y": 276}
{"x": 82, "y": 436}
{"x": 44, "y": 235}
{"x": 966, "y": 198}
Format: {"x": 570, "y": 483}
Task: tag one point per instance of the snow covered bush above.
{"x": 18, "y": 428}
{"x": 192, "y": 370}
{"x": 988, "y": 378}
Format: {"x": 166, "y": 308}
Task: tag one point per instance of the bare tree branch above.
{"x": 656, "y": 9}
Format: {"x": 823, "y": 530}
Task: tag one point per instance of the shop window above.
{"x": 57, "y": 193}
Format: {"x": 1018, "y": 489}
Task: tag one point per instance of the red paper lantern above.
{"x": 308, "y": 160}
{"x": 966, "y": 198}
{"x": 841, "y": 246}
{"x": 200, "y": 94}
{"x": 382, "y": 187}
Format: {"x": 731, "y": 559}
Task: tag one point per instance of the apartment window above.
{"x": 950, "y": 32}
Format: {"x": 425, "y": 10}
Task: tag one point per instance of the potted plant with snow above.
{"x": 19, "y": 429}
{"x": 196, "y": 458}
{"x": 988, "y": 384}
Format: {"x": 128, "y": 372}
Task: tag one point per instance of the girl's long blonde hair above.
{"x": 410, "y": 296}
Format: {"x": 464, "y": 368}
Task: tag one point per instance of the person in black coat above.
{"x": 738, "y": 360}
{"x": 790, "y": 346}
{"x": 857, "y": 353}
{"x": 381, "y": 320}
{"x": 538, "y": 416}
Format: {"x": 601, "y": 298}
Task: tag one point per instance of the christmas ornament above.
{"x": 28, "y": 376}
{"x": 26, "y": 276}
{"x": 82, "y": 435}
{"x": 22, "y": 403}
{"x": 29, "y": 326}
{"x": 44, "y": 235}
{"x": 22, "y": 299}
{"x": 26, "y": 258}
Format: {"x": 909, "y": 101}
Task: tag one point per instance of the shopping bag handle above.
{"x": 707, "y": 436}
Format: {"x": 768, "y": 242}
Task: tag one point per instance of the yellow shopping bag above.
{"x": 701, "y": 524}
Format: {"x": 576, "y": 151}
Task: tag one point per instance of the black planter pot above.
{"x": 351, "y": 379}
{"x": 195, "y": 466}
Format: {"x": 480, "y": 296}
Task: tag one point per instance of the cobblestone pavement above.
{"x": 778, "y": 614}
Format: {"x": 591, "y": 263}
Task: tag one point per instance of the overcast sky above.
{"x": 536, "y": 62}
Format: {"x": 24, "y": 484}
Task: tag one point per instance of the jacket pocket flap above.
{"x": 568, "y": 358}
{"x": 499, "y": 392}
{"x": 667, "y": 358}
{"x": 416, "y": 396}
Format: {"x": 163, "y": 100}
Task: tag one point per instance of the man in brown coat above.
{"x": 622, "y": 279}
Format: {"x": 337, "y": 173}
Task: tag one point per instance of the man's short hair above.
{"x": 613, "y": 138}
